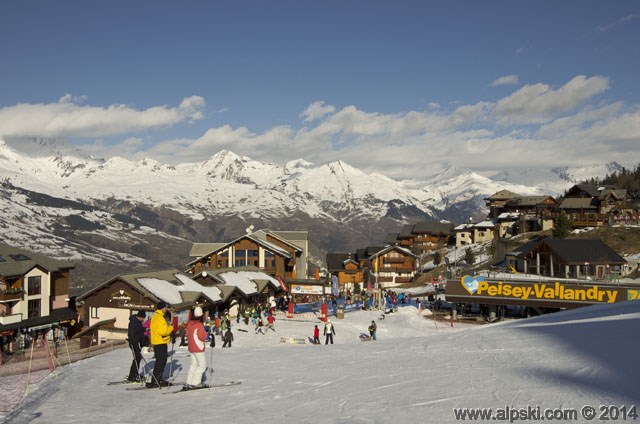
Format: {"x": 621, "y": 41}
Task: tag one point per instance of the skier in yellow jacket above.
{"x": 161, "y": 333}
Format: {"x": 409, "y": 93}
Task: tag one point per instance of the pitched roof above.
{"x": 200, "y": 249}
{"x": 336, "y": 261}
{"x": 246, "y": 280}
{"x": 372, "y": 250}
{"x": 402, "y": 250}
{"x": 391, "y": 238}
{"x": 579, "y": 203}
{"x": 529, "y": 200}
{"x": 484, "y": 224}
{"x": 265, "y": 244}
{"x": 616, "y": 193}
{"x": 286, "y": 237}
{"x": 579, "y": 251}
{"x": 17, "y": 262}
{"x": 503, "y": 195}
{"x": 168, "y": 285}
{"x": 524, "y": 249}
{"x": 405, "y": 232}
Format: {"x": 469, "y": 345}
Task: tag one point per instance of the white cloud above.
{"x": 505, "y": 80}
{"x": 316, "y": 111}
{"x": 70, "y": 98}
{"x": 536, "y": 125}
{"x": 67, "y": 118}
{"x": 603, "y": 28}
{"x": 539, "y": 103}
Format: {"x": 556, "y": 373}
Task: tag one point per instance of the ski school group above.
{"x": 161, "y": 332}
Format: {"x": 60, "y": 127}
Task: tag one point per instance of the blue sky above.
{"x": 388, "y": 87}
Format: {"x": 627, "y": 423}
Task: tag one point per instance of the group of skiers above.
{"x": 329, "y": 332}
{"x": 161, "y": 332}
{"x": 195, "y": 335}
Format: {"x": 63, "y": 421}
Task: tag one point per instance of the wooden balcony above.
{"x": 588, "y": 220}
{"x": 10, "y": 295}
{"x": 396, "y": 269}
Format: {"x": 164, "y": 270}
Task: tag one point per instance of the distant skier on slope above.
{"x": 329, "y": 332}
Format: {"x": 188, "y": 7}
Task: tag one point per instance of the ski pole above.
{"x": 210, "y": 366}
{"x": 153, "y": 377}
{"x": 171, "y": 360}
{"x": 135, "y": 359}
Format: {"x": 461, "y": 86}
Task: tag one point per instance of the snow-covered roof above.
{"x": 246, "y": 280}
{"x": 485, "y": 224}
{"x": 509, "y": 215}
{"x": 162, "y": 289}
{"x": 173, "y": 292}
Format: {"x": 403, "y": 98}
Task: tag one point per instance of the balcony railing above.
{"x": 10, "y": 295}
{"x": 587, "y": 220}
{"x": 10, "y": 319}
{"x": 396, "y": 269}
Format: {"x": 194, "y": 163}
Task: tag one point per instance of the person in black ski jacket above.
{"x": 227, "y": 338}
{"x": 137, "y": 339}
{"x": 329, "y": 332}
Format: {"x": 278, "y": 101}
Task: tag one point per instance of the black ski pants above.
{"x": 135, "y": 364}
{"x": 161, "y": 361}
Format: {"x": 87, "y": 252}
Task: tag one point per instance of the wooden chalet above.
{"x": 422, "y": 237}
{"x": 347, "y": 269}
{"x": 570, "y": 258}
{"x": 124, "y": 295}
{"x": 534, "y": 213}
{"x": 393, "y": 265}
{"x": 363, "y": 255}
{"x": 279, "y": 254}
{"x": 589, "y": 205}
{"x": 496, "y": 201}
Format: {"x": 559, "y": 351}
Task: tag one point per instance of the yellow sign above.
{"x": 540, "y": 291}
{"x": 633, "y": 294}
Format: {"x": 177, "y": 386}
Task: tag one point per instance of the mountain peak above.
{"x": 38, "y": 147}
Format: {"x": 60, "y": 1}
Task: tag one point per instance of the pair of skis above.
{"x": 183, "y": 390}
{"x": 213, "y": 386}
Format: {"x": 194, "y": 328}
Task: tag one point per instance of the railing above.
{"x": 10, "y": 295}
{"x": 10, "y": 319}
{"x": 587, "y": 219}
{"x": 396, "y": 269}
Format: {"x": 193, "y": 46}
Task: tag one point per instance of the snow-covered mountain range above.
{"x": 58, "y": 200}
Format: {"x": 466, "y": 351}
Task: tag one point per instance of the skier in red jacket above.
{"x": 196, "y": 335}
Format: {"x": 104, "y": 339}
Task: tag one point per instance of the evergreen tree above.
{"x": 437, "y": 258}
{"x": 469, "y": 256}
{"x": 561, "y": 225}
